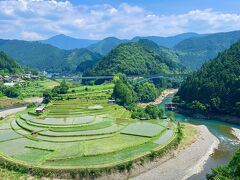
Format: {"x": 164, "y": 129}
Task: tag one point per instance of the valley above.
{"x": 119, "y": 105}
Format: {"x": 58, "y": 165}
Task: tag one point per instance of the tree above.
{"x": 11, "y": 92}
{"x": 231, "y": 171}
{"x": 122, "y": 93}
{"x": 62, "y": 89}
{"x": 154, "y": 111}
{"x": 215, "y": 87}
{"x": 146, "y": 92}
{"x": 47, "y": 97}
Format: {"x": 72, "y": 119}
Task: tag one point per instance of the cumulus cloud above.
{"x": 36, "y": 19}
{"x": 31, "y": 35}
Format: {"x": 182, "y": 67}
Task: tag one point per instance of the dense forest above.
{"x": 196, "y": 51}
{"x": 216, "y": 86}
{"x": 142, "y": 58}
{"x": 128, "y": 93}
{"x": 8, "y": 65}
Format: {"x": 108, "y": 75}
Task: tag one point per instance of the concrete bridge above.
{"x": 135, "y": 77}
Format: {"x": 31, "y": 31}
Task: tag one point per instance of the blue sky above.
{"x": 97, "y": 19}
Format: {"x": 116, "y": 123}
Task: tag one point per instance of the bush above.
{"x": 31, "y": 105}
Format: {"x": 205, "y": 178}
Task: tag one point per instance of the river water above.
{"x": 228, "y": 143}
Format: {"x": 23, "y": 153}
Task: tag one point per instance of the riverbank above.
{"x": 236, "y": 132}
{"x": 220, "y": 117}
{"x": 159, "y": 100}
{"x": 14, "y": 102}
{"x": 183, "y": 162}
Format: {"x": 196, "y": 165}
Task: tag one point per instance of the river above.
{"x": 228, "y": 143}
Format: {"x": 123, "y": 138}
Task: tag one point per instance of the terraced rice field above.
{"x": 81, "y": 134}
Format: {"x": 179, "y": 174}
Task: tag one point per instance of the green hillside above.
{"x": 46, "y": 57}
{"x": 8, "y": 65}
{"x": 170, "y": 41}
{"x": 198, "y": 50}
{"x": 135, "y": 59}
{"x": 216, "y": 86}
{"x": 106, "y": 45}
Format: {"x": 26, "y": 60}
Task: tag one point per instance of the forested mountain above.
{"x": 170, "y": 41}
{"x": 135, "y": 59}
{"x": 66, "y": 42}
{"x": 197, "y": 50}
{"x": 106, "y": 45}
{"x": 82, "y": 59}
{"x": 8, "y": 65}
{"x": 216, "y": 86}
{"x": 46, "y": 57}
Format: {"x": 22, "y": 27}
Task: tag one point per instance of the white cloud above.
{"x": 33, "y": 19}
{"x": 31, "y": 35}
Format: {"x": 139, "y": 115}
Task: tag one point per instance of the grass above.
{"x": 189, "y": 135}
{"x": 13, "y": 175}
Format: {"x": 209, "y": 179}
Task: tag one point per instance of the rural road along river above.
{"x": 8, "y": 112}
{"x": 187, "y": 162}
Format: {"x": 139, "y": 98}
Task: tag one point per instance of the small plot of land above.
{"x": 83, "y": 131}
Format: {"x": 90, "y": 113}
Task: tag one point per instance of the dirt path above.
{"x": 8, "y": 112}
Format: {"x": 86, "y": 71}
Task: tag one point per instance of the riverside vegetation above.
{"x": 215, "y": 89}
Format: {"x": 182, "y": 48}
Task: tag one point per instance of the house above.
{"x": 9, "y": 84}
{"x": 111, "y": 101}
{"x": 40, "y": 109}
{"x": 27, "y": 76}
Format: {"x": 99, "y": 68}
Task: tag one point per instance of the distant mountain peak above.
{"x": 66, "y": 42}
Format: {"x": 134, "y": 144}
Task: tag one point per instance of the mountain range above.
{"x": 189, "y": 49}
{"x": 46, "y": 57}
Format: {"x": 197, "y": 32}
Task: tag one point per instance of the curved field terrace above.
{"x": 84, "y": 132}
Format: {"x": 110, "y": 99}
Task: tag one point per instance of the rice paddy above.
{"x": 84, "y": 132}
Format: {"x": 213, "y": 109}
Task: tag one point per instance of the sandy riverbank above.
{"x": 186, "y": 161}
{"x": 9, "y": 112}
{"x": 236, "y": 132}
{"x": 164, "y": 94}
